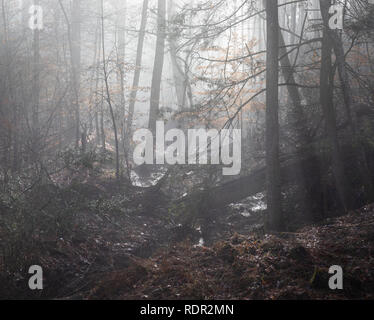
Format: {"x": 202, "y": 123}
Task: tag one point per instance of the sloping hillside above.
{"x": 283, "y": 266}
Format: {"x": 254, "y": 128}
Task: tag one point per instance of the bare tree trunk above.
{"x": 76, "y": 62}
{"x": 326, "y": 99}
{"x": 94, "y": 78}
{"x": 100, "y": 133}
{"x": 180, "y": 79}
{"x": 108, "y": 92}
{"x": 157, "y": 66}
{"x": 293, "y": 24}
{"x": 7, "y": 107}
{"x": 273, "y": 186}
{"x": 74, "y": 38}
{"x": 121, "y": 50}
{"x": 97, "y": 126}
{"x": 35, "y": 92}
{"x": 102, "y": 124}
{"x": 138, "y": 65}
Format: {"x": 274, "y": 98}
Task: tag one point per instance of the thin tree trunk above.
{"x": 102, "y": 124}
{"x": 94, "y": 77}
{"x": 108, "y": 93}
{"x": 121, "y": 50}
{"x": 76, "y": 61}
{"x": 100, "y": 132}
{"x": 73, "y": 31}
{"x": 35, "y": 92}
{"x": 180, "y": 79}
{"x": 138, "y": 65}
{"x": 293, "y": 25}
{"x": 157, "y": 66}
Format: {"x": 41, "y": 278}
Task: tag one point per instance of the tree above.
{"x": 327, "y": 103}
{"x": 76, "y": 62}
{"x": 158, "y": 66}
{"x": 180, "y": 79}
{"x": 338, "y": 48}
{"x": 74, "y": 39}
{"x": 273, "y": 186}
{"x": 35, "y": 91}
{"x": 121, "y": 50}
{"x": 298, "y": 122}
{"x": 138, "y": 65}
{"x": 108, "y": 96}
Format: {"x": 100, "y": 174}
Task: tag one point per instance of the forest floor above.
{"x": 283, "y": 266}
{"x": 116, "y": 253}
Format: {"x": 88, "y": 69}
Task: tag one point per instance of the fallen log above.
{"x": 199, "y": 203}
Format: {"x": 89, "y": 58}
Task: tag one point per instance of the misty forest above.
{"x": 290, "y": 83}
